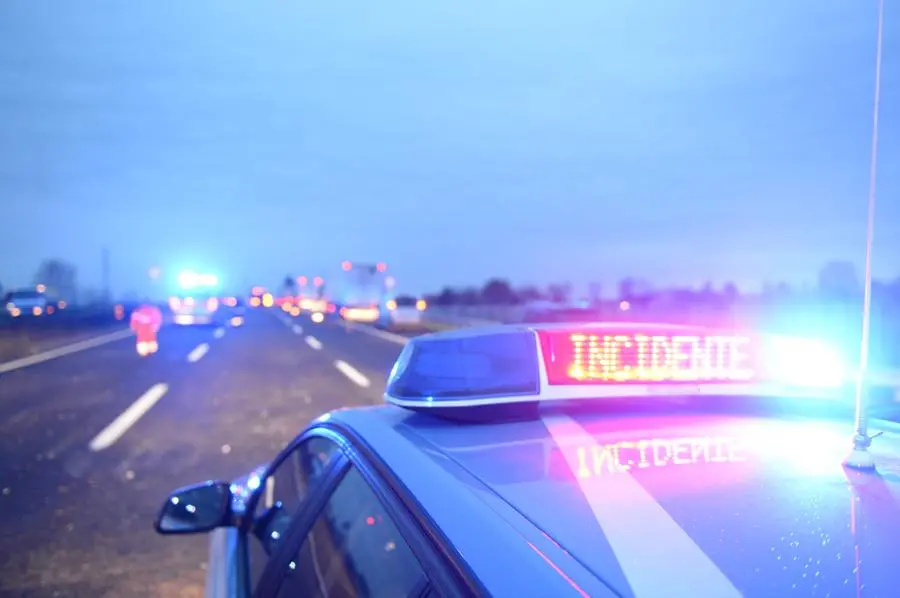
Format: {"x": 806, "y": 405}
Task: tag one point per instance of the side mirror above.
{"x": 196, "y": 509}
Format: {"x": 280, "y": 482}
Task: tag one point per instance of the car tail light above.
{"x": 212, "y": 304}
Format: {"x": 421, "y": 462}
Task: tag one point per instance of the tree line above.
{"x": 836, "y": 281}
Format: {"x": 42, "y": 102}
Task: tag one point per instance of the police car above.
{"x": 589, "y": 460}
{"x": 196, "y": 309}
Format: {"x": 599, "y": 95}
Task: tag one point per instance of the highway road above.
{"x": 81, "y": 482}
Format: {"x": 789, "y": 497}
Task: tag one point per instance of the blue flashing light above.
{"x": 436, "y": 368}
{"x": 192, "y": 280}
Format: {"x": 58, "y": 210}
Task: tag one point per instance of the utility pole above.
{"x": 107, "y": 295}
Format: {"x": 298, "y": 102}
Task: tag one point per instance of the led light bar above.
{"x": 522, "y": 364}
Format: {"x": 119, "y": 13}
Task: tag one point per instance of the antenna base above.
{"x": 860, "y": 458}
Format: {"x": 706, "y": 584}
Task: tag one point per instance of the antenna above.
{"x": 859, "y": 457}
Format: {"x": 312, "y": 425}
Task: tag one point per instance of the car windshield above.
{"x": 406, "y": 301}
{"x": 359, "y": 176}
{"x": 23, "y": 295}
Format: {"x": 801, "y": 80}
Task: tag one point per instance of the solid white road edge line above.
{"x": 198, "y": 352}
{"x": 382, "y": 334}
{"x": 313, "y": 342}
{"x": 352, "y": 373}
{"x": 90, "y": 343}
{"x": 111, "y": 433}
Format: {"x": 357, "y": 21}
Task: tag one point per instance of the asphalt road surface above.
{"x": 80, "y": 489}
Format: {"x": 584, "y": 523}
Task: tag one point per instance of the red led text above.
{"x": 636, "y": 357}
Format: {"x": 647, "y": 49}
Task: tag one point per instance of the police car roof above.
{"x": 651, "y": 504}
{"x": 650, "y": 496}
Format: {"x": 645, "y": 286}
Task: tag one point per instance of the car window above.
{"x": 353, "y": 550}
{"x": 23, "y": 296}
{"x": 283, "y": 493}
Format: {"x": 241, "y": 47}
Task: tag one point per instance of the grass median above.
{"x": 25, "y": 338}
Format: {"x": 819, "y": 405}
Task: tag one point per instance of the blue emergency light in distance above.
{"x": 189, "y": 279}
{"x": 506, "y": 365}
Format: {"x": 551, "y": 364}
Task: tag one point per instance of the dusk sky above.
{"x": 541, "y": 141}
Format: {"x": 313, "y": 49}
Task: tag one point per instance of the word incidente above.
{"x": 656, "y": 452}
{"x": 638, "y": 357}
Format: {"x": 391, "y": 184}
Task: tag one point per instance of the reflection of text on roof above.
{"x": 656, "y": 452}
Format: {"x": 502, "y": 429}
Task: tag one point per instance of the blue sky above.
{"x": 542, "y": 141}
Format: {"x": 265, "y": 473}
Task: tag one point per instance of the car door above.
{"x": 358, "y": 541}
{"x": 353, "y": 548}
{"x": 293, "y": 483}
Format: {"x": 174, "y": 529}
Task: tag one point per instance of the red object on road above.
{"x": 146, "y": 321}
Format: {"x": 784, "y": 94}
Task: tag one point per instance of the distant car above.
{"x": 405, "y": 312}
{"x": 366, "y": 314}
{"x": 234, "y": 310}
{"x": 601, "y": 460}
{"x": 27, "y": 303}
{"x": 197, "y": 310}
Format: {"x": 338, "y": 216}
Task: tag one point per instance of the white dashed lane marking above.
{"x": 313, "y": 342}
{"x": 198, "y": 353}
{"x": 219, "y": 332}
{"x": 297, "y": 329}
{"x": 352, "y": 373}
{"x": 111, "y": 433}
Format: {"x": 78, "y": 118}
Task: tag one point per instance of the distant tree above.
{"x": 529, "y": 293}
{"x": 838, "y": 279}
{"x": 707, "y": 296}
{"x": 447, "y": 296}
{"x": 290, "y": 285}
{"x": 498, "y": 292}
{"x": 730, "y": 292}
{"x": 626, "y": 289}
{"x": 559, "y": 293}
{"x": 776, "y": 291}
{"x": 595, "y": 293}
{"x": 470, "y": 296}
{"x": 57, "y": 277}
{"x": 635, "y": 290}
